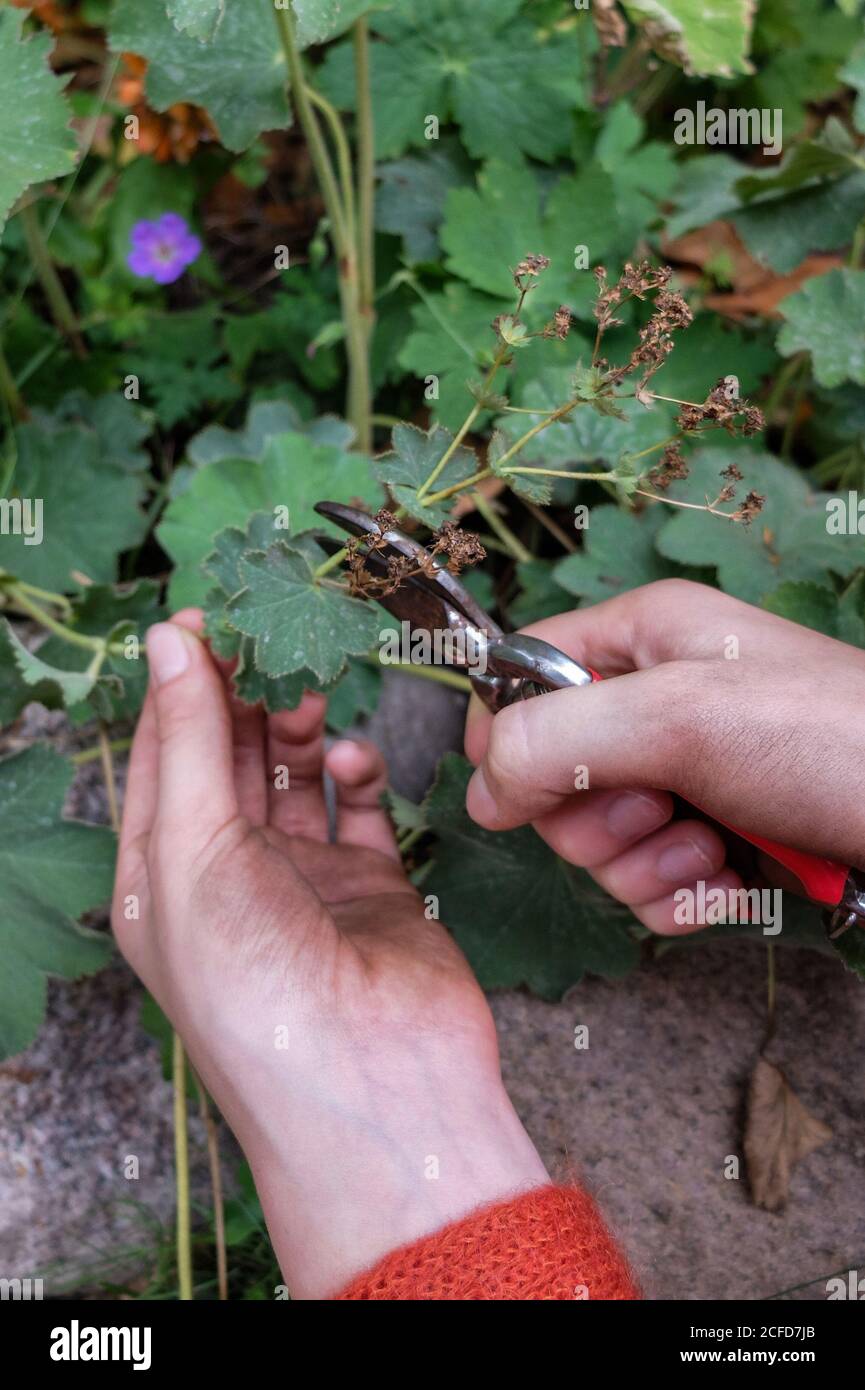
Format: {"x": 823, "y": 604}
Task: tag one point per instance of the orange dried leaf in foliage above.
{"x": 52, "y": 16}
{"x": 755, "y": 289}
{"x": 779, "y": 1131}
{"x": 170, "y": 136}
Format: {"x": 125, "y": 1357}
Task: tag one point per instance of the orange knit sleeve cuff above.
{"x": 550, "y": 1243}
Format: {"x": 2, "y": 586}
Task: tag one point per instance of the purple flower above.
{"x": 162, "y": 250}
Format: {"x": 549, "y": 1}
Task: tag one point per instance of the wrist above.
{"x": 346, "y": 1177}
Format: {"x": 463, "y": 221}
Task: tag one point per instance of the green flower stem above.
{"x": 458, "y": 487}
{"x": 409, "y": 840}
{"x": 365, "y": 170}
{"x": 558, "y": 414}
{"x": 343, "y": 155}
{"x": 181, "y": 1168}
{"x": 359, "y": 391}
{"x": 609, "y": 477}
{"x": 108, "y": 776}
{"x": 22, "y": 600}
{"x": 89, "y": 755}
{"x": 512, "y": 543}
{"x": 61, "y": 310}
{"x": 9, "y": 390}
{"x": 58, "y": 600}
{"x": 429, "y": 673}
{"x": 465, "y": 426}
{"x": 689, "y": 506}
{"x": 662, "y": 444}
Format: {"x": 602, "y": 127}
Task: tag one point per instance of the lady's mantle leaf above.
{"x": 415, "y": 454}
{"x": 779, "y": 1131}
{"x": 297, "y": 621}
{"x": 89, "y": 508}
{"x": 199, "y": 18}
{"x": 52, "y": 870}
{"x": 521, "y": 914}
{"x": 239, "y": 77}
{"x": 825, "y": 318}
{"x": 709, "y": 40}
{"x": 482, "y": 64}
{"x": 53, "y": 686}
{"x": 316, "y": 21}
{"x": 294, "y": 473}
{"x": 35, "y": 140}
{"x": 788, "y": 540}
{"x": 618, "y": 554}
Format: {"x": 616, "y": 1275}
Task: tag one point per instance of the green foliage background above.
{"x": 546, "y": 141}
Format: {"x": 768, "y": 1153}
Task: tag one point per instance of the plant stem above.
{"x": 410, "y": 839}
{"x": 689, "y": 506}
{"x": 608, "y": 477}
{"x": 552, "y": 526}
{"x": 558, "y": 414}
{"x": 459, "y": 487}
{"x": 464, "y": 427}
{"x": 22, "y": 600}
{"x": 331, "y": 563}
{"x": 343, "y": 156}
{"x": 181, "y": 1169}
{"x": 662, "y": 444}
{"x": 89, "y": 755}
{"x": 365, "y": 170}
{"x": 358, "y": 395}
{"x": 512, "y": 543}
{"x": 216, "y": 1189}
{"x": 429, "y": 673}
{"x": 9, "y": 390}
{"x": 61, "y": 310}
{"x": 108, "y": 775}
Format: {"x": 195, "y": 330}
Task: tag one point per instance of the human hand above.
{"x": 770, "y": 740}
{"x": 341, "y": 1033}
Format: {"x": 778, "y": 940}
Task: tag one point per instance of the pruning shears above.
{"x": 504, "y": 667}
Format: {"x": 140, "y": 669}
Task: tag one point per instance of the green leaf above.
{"x": 239, "y": 77}
{"x": 451, "y": 340}
{"x": 540, "y": 595}
{"x": 584, "y": 436}
{"x": 825, "y": 317}
{"x": 264, "y": 420}
{"x": 853, "y": 72}
{"x": 535, "y": 489}
{"x": 483, "y": 65}
{"x": 198, "y": 18}
{"x": 618, "y": 554}
{"x": 119, "y": 425}
{"x": 293, "y": 473}
{"x": 355, "y": 695}
{"x": 712, "y": 348}
{"x": 54, "y": 686}
{"x": 410, "y": 201}
{"x": 180, "y": 366}
{"x": 782, "y": 231}
{"x": 52, "y": 871}
{"x": 297, "y": 621}
{"x": 316, "y": 21}
{"x": 414, "y": 456}
{"x": 102, "y": 610}
{"x": 819, "y": 607}
{"x": 704, "y": 40}
{"x": 830, "y": 155}
{"x": 90, "y": 509}
{"x": 488, "y": 229}
{"x": 522, "y": 915}
{"x": 35, "y": 140}
{"x": 788, "y": 540}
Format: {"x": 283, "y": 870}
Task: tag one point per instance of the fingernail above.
{"x": 479, "y": 802}
{"x": 682, "y": 862}
{"x": 633, "y": 814}
{"x": 167, "y": 652}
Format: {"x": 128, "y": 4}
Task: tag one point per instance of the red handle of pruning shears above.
{"x": 823, "y": 880}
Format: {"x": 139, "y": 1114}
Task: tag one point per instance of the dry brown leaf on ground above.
{"x": 755, "y": 289}
{"x": 779, "y": 1131}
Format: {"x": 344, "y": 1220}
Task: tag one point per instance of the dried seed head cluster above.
{"x": 671, "y": 466}
{"x": 636, "y": 281}
{"x": 529, "y": 268}
{"x": 721, "y": 409}
{"x": 560, "y": 324}
{"x": 461, "y": 548}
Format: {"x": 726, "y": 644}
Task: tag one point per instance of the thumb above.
{"x": 636, "y": 730}
{"x": 196, "y": 794}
